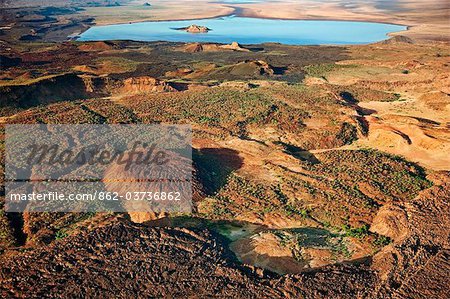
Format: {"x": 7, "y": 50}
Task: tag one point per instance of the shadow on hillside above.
{"x": 298, "y": 153}
{"x": 214, "y": 166}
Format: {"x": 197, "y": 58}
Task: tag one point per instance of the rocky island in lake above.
{"x": 195, "y": 29}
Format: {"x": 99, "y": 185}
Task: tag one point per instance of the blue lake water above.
{"x": 248, "y": 31}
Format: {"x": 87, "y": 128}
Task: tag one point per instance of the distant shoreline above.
{"x": 255, "y": 17}
{"x": 237, "y": 13}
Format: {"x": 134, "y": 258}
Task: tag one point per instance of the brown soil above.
{"x": 97, "y": 46}
{"x": 271, "y": 151}
{"x": 169, "y": 261}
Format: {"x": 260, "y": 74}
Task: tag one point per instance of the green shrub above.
{"x": 61, "y": 234}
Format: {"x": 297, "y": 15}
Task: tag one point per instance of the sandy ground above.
{"x": 428, "y": 19}
{"x": 408, "y": 134}
{"x": 417, "y": 125}
{"x": 160, "y": 10}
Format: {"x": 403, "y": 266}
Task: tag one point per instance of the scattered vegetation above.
{"x": 360, "y": 93}
{"x": 61, "y": 234}
{"x": 320, "y": 70}
{"x": 386, "y": 176}
{"x": 7, "y": 238}
{"x": 299, "y": 239}
{"x": 382, "y": 241}
{"x": 356, "y": 232}
{"x": 227, "y": 111}
{"x": 339, "y": 190}
{"x": 113, "y": 64}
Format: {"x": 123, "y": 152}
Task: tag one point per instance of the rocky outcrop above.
{"x": 45, "y": 91}
{"x": 145, "y": 84}
{"x": 97, "y": 46}
{"x": 193, "y": 48}
{"x": 252, "y": 67}
{"x": 198, "y": 47}
{"x": 235, "y": 47}
{"x": 142, "y": 217}
{"x": 391, "y": 221}
{"x": 398, "y": 39}
{"x": 195, "y": 29}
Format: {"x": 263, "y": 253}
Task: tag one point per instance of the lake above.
{"x": 248, "y": 31}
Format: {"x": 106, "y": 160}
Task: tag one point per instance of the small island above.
{"x": 195, "y": 29}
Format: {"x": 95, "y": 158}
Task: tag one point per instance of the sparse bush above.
{"x": 381, "y": 241}
{"x": 61, "y": 234}
{"x": 358, "y": 232}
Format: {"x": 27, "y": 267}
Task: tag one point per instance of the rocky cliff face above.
{"x": 75, "y": 87}
{"x": 145, "y": 84}
{"x": 45, "y": 91}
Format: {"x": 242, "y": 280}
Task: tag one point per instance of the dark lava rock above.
{"x": 122, "y": 260}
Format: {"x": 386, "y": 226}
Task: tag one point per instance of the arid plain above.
{"x": 321, "y": 171}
